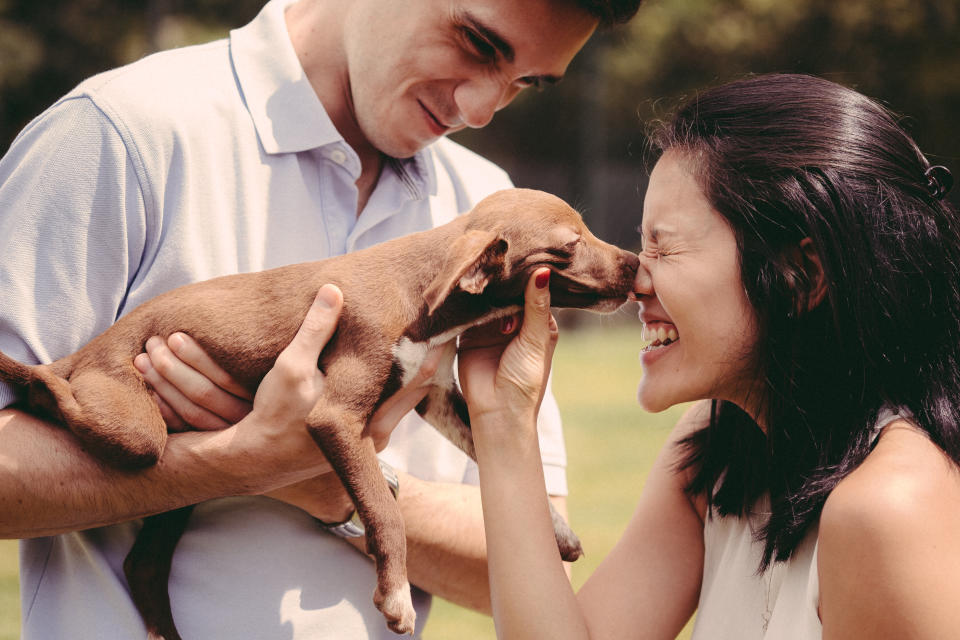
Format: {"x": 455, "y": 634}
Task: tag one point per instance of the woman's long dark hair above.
{"x": 788, "y": 157}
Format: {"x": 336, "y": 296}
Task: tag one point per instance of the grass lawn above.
{"x": 611, "y": 444}
{"x": 9, "y": 591}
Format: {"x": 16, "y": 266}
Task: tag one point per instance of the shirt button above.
{"x": 338, "y": 156}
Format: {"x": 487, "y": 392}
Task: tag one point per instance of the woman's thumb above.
{"x": 537, "y": 321}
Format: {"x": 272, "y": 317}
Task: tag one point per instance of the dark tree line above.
{"x": 584, "y": 138}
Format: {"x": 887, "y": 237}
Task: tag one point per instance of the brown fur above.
{"x": 411, "y": 290}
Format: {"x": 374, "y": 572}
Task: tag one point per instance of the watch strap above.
{"x": 352, "y": 527}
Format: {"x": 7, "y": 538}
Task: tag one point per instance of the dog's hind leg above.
{"x": 147, "y": 568}
{"x": 113, "y": 413}
{"x": 354, "y": 459}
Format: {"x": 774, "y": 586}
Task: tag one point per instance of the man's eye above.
{"x": 532, "y": 81}
{"x": 480, "y": 44}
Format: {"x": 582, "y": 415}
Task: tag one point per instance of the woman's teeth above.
{"x": 659, "y": 337}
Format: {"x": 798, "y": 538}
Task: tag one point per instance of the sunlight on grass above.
{"x": 9, "y": 591}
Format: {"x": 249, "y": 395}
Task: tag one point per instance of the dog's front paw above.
{"x": 397, "y": 608}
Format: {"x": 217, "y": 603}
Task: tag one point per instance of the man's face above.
{"x": 420, "y": 69}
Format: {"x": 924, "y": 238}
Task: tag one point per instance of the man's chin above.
{"x": 406, "y": 149}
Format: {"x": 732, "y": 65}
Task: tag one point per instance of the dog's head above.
{"x": 511, "y": 233}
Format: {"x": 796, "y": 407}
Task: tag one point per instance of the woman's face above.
{"x": 693, "y": 306}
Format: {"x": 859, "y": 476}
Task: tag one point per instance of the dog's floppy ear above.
{"x": 468, "y": 264}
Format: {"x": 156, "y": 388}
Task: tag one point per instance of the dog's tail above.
{"x": 16, "y": 373}
{"x": 43, "y": 387}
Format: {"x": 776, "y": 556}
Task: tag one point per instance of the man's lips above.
{"x": 433, "y": 122}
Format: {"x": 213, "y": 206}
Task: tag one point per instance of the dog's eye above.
{"x": 560, "y": 255}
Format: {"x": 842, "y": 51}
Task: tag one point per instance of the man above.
{"x": 315, "y": 130}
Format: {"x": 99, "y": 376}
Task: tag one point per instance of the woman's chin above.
{"x": 651, "y": 401}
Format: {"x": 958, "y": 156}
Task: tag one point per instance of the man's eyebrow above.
{"x": 490, "y": 34}
{"x": 499, "y": 43}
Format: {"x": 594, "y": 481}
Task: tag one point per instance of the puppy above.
{"x": 430, "y": 287}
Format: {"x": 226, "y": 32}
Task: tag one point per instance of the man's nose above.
{"x": 478, "y": 99}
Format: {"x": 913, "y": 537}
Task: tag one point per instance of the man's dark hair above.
{"x": 788, "y": 157}
{"x": 610, "y": 12}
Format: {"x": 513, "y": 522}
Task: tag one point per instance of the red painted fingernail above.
{"x": 507, "y": 324}
{"x": 542, "y": 279}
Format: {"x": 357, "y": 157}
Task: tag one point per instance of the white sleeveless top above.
{"x": 739, "y": 603}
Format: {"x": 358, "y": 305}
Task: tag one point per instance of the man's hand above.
{"x": 193, "y": 392}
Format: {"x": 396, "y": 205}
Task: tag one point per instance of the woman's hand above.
{"x": 508, "y": 375}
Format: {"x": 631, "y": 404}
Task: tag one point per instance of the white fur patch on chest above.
{"x": 409, "y": 355}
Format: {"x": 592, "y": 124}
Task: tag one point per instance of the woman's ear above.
{"x": 810, "y": 287}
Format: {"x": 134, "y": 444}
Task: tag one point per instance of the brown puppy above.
{"x": 429, "y": 287}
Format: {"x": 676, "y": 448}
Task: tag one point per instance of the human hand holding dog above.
{"x": 194, "y": 393}
{"x": 504, "y": 376}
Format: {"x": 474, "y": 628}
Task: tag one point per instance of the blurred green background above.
{"x": 583, "y": 140}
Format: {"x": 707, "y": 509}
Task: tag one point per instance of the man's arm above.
{"x": 49, "y": 484}
{"x": 446, "y": 548}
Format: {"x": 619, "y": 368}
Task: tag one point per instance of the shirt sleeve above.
{"x": 72, "y": 232}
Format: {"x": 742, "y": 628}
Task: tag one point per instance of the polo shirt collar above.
{"x": 286, "y": 112}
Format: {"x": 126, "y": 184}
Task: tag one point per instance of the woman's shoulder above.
{"x": 892, "y": 524}
{"x": 905, "y": 474}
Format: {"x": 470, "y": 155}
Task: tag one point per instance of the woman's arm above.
{"x": 649, "y": 585}
{"x": 888, "y": 555}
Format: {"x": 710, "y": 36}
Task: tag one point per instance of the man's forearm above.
{"x": 50, "y": 485}
{"x": 446, "y": 546}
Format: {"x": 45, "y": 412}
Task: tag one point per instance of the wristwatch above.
{"x": 352, "y": 527}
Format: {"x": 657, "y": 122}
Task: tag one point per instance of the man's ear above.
{"x": 468, "y": 264}
{"x": 810, "y": 283}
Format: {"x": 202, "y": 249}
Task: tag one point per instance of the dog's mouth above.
{"x": 573, "y": 295}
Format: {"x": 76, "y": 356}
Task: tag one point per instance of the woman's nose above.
{"x": 642, "y": 283}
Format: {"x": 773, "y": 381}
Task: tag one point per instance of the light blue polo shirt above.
{"x": 186, "y": 165}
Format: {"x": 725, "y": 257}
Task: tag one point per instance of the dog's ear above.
{"x": 468, "y": 264}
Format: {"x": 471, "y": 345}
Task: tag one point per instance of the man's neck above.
{"x": 315, "y": 28}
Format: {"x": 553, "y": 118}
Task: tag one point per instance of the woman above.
{"x": 800, "y": 278}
